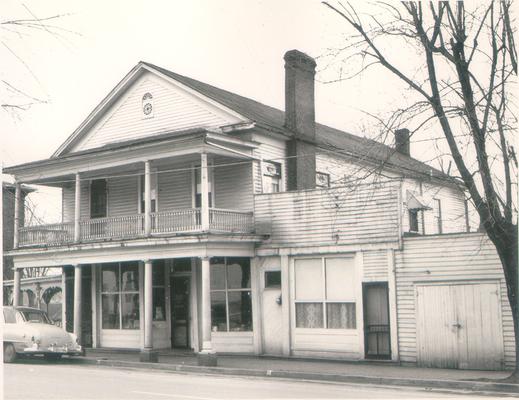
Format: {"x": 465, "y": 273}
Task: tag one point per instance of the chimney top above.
{"x": 296, "y": 58}
{"x": 402, "y": 141}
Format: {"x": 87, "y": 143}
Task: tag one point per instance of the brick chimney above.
{"x": 300, "y": 119}
{"x": 402, "y": 141}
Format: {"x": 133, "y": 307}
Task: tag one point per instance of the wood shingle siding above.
{"x": 331, "y": 216}
{"x": 174, "y": 109}
{"x": 457, "y": 259}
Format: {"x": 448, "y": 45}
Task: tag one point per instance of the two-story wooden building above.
{"x": 194, "y": 217}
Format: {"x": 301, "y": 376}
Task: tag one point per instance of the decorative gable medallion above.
{"x": 147, "y": 105}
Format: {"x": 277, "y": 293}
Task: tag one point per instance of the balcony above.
{"x": 178, "y": 221}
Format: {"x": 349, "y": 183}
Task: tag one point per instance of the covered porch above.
{"x": 203, "y": 183}
{"x": 201, "y": 300}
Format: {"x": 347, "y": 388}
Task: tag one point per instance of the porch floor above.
{"x": 374, "y": 369}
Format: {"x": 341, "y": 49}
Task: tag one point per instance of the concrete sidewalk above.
{"x": 377, "y": 373}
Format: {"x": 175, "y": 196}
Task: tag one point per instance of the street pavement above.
{"x": 37, "y": 379}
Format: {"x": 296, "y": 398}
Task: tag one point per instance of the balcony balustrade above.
{"x": 186, "y": 220}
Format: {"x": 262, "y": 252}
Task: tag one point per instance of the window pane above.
{"x": 218, "y": 312}
{"x": 182, "y": 265}
{"x": 340, "y": 279}
{"x": 110, "y": 278}
{"x": 110, "y": 305}
{"x": 272, "y": 279}
{"x": 309, "y": 279}
{"x": 130, "y": 277}
{"x": 238, "y": 273}
{"x": 130, "y": 311}
{"x": 158, "y": 271}
{"x": 217, "y": 273}
{"x": 240, "y": 311}
{"x": 341, "y": 316}
{"x": 309, "y": 315}
{"x": 9, "y": 316}
{"x": 159, "y": 304}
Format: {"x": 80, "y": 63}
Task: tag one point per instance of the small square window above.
{"x": 322, "y": 180}
{"x": 272, "y": 279}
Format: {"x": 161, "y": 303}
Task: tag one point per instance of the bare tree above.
{"x": 463, "y": 66}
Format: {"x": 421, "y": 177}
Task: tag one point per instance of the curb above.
{"x": 474, "y": 386}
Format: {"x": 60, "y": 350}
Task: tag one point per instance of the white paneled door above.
{"x": 459, "y": 326}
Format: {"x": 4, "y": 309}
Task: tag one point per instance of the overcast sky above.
{"x": 235, "y": 45}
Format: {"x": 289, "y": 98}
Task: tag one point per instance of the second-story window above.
{"x": 322, "y": 180}
{"x": 271, "y": 177}
{"x": 153, "y": 192}
{"x": 438, "y": 215}
{"x": 413, "y": 220}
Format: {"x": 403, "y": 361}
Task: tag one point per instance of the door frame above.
{"x": 365, "y": 285}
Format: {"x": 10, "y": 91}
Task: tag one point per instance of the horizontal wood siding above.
{"x": 120, "y": 338}
{"x": 122, "y": 196}
{"x": 331, "y": 216}
{"x": 375, "y": 265}
{"x": 233, "y": 342}
{"x": 175, "y": 188}
{"x": 174, "y": 109}
{"x": 452, "y": 203}
{"x": 450, "y": 258}
{"x": 233, "y": 185}
{"x": 67, "y": 204}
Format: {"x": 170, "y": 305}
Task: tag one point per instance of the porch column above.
{"x": 77, "y": 209}
{"x": 17, "y": 198}
{"x": 77, "y": 302}
{"x": 147, "y": 354}
{"x": 204, "y": 187}
{"x": 63, "y": 299}
{"x": 207, "y": 355}
{"x": 147, "y": 199}
{"x": 16, "y": 287}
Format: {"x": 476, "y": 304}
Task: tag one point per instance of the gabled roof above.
{"x": 329, "y": 138}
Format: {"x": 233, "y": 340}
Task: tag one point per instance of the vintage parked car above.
{"x": 29, "y": 331}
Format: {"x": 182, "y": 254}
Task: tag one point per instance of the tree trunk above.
{"x": 505, "y": 241}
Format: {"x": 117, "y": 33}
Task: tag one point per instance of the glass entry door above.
{"x": 180, "y": 311}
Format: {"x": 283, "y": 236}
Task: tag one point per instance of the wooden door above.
{"x": 459, "y": 326}
{"x": 98, "y": 199}
{"x": 180, "y": 312}
{"x": 377, "y": 342}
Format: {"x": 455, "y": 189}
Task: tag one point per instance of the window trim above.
{"x": 266, "y": 177}
{"x": 438, "y": 215}
{"x": 327, "y": 176}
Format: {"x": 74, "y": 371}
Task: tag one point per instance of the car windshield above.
{"x": 35, "y": 316}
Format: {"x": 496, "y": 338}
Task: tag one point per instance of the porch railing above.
{"x": 51, "y": 234}
{"x": 231, "y": 220}
{"x": 121, "y": 227}
{"x": 180, "y": 220}
{"x": 132, "y": 226}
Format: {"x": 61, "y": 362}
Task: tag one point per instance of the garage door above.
{"x": 459, "y": 326}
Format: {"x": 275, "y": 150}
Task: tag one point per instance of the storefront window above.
{"x": 231, "y": 304}
{"x": 159, "y": 297}
{"x": 325, "y": 293}
{"x": 120, "y": 296}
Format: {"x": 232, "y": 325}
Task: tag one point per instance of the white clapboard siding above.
{"x": 233, "y": 185}
{"x": 331, "y": 216}
{"x": 175, "y": 188}
{"x": 174, "y": 109}
{"x": 68, "y": 201}
{"x": 233, "y": 342}
{"x": 122, "y": 196}
{"x": 452, "y": 203}
{"x": 455, "y": 258}
{"x": 375, "y": 265}
{"x": 120, "y": 338}
{"x": 342, "y": 343}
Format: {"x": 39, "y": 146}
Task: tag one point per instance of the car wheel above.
{"x": 9, "y": 353}
{"x": 52, "y": 357}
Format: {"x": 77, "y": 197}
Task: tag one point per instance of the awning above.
{"x": 416, "y": 202}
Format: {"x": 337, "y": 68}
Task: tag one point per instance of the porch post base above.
{"x": 147, "y": 355}
{"x": 207, "y": 358}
